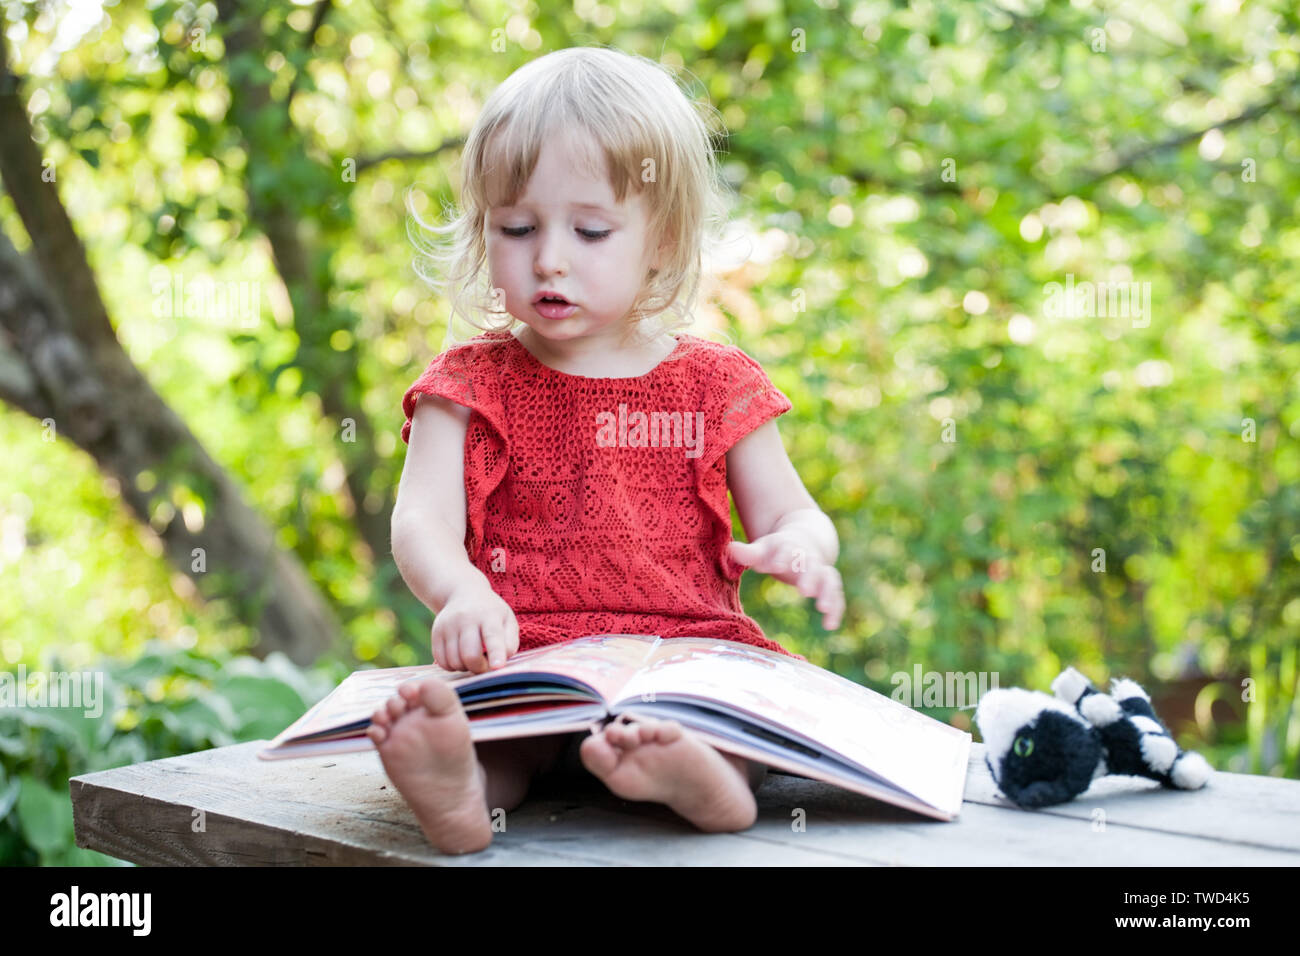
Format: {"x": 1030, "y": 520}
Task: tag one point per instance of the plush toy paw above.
{"x": 1135, "y": 741}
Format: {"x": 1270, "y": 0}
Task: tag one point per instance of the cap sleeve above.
{"x": 741, "y": 397}
{"x": 738, "y": 398}
{"x": 467, "y": 375}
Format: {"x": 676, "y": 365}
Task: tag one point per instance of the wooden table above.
{"x": 226, "y": 807}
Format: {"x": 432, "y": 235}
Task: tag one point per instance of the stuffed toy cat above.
{"x": 1047, "y": 750}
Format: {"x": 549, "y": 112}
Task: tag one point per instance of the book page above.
{"x": 885, "y": 737}
{"x": 603, "y": 662}
{"x": 357, "y": 697}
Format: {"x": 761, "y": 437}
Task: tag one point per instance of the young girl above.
{"x": 568, "y": 468}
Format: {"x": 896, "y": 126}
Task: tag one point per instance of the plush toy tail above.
{"x": 1135, "y": 741}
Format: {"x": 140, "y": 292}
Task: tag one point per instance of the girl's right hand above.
{"x": 476, "y": 630}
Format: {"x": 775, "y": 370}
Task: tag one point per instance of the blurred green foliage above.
{"x": 1014, "y": 491}
{"x": 161, "y": 703}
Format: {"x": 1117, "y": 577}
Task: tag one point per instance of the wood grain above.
{"x": 342, "y": 810}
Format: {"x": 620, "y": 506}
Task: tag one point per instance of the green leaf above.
{"x": 263, "y": 706}
{"x": 207, "y": 715}
{"x": 45, "y": 817}
{"x": 79, "y": 732}
{"x": 80, "y": 856}
{"x": 8, "y": 795}
{"x": 122, "y": 751}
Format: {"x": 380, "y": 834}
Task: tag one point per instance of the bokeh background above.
{"x": 195, "y": 498}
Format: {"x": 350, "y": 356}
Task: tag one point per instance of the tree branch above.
{"x": 279, "y": 214}
{"x": 406, "y": 155}
{"x": 55, "y": 244}
{"x": 318, "y": 17}
{"x": 1176, "y": 141}
{"x": 101, "y": 403}
{"x": 17, "y": 383}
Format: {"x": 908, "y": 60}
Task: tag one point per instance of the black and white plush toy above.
{"x": 1046, "y": 750}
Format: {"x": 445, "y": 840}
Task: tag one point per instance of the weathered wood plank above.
{"x": 984, "y": 835}
{"x": 341, "y": 810}
{"x": 1238, "y": 808}
{"x": 328, "y": 811}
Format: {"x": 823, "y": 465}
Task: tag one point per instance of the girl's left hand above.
{"x": 787, "y": 557}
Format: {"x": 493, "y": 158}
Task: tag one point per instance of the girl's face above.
{"x": 566, "y": 235}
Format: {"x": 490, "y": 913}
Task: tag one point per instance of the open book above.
{"x": 791, "y": 715}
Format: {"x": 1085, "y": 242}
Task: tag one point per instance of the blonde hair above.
{"x": 650, "y": 134}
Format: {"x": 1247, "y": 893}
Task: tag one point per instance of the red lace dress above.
{"x": 599, "y": 505}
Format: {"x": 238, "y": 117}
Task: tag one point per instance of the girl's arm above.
{"x": 801, "y": 545}
{"x": 428, "y": 524}
{"x": 769, "y": 493}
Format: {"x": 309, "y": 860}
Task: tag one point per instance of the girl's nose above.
{"x": 551, "y": 256}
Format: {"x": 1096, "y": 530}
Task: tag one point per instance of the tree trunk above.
{"x": 61, "y": 362}
{"x": 269, "y": 136}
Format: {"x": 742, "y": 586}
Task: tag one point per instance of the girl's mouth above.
{"x": 554, "y": 307}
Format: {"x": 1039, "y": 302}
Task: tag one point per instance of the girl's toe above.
{"x": 616, "y": 734}
{"x": 669, "y": 730}
{"x": 596, "y": 754}
{"x": 629, "y": 734}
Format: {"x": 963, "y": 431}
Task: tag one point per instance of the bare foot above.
{"x": 662, "y": 761}
{"x": 423, "y": 739}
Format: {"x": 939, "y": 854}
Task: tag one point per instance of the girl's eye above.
{"x": 589, "y": 234}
